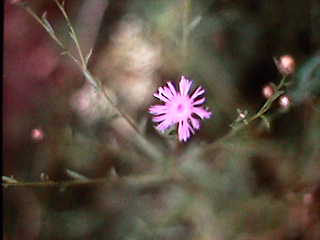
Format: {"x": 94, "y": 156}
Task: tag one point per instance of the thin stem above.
{"x": 38, "y": 19}
{"x": 156, "y": 155}
{"x": 282, "y": 82}
{"x": 72, "y": 32}
{"x": 51, "y": 33}
{"x": 266, "y": 107}
{"x": 139, "y": 182}
{"x": 142, "y": 142}
{"x": 54, "y": 184}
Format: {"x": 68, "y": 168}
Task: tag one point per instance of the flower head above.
{"x": 180, "y": 108}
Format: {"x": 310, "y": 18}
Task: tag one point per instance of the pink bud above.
{"x": 284, "y": 102}
{"x": 286, "y": 65}
{"x": 37, "y": 134}
{"x": 267, "y": 91}
{"x": 242, "y": 115}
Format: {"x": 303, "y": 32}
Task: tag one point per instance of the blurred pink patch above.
{"x": 180, "y": 108}
{"x": 90, "y": 104}
{"x": 37, "y": 134}
{"x": 15, "y": 1}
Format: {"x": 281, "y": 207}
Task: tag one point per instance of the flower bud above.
{"x": 286, "y": 65}
{"x": 284, "y": 102}
{"x": 242, "y": 115}
{"x": 37, "y": 134}
{"x": 268, "y": 90}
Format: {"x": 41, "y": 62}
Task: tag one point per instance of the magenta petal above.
{"x": 195, "y": 123}
{"x": 158, "y": 109}
{"x": 184, "y": 129}
{"x": 159, "y": 118}
{"x": 200, "y": 101}
{"x": 167, "y": 93}
{"x": 199, "y": 91}
{"x": 162, "y": 98}
{"x": 172, "y": 88}
{"x": 184, "y": 86}
{"x": 164, "y": 125}
{"x": 202, "y": 113}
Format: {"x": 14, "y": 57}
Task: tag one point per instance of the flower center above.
{"x": 180, "y": 108}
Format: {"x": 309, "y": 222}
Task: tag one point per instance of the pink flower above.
{"x": 179, "y": 108}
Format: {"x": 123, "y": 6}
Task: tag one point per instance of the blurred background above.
{"x": 263, "y": 183}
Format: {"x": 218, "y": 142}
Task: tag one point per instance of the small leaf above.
{"x": 9, "y": 179}
{"x": 89, "y": 78}
{"x": 46, "y": 22}
{"x": 44, "y": 15}
{"x": 71, "y": 35}
{"x": 194, "y": 23}
{"x": 113, "y": 173}
{"x": 265, "y": 121}
{"x": 76, "y": 175}
{"x": 88, "y": 56}
{"x": 44, "y": 176}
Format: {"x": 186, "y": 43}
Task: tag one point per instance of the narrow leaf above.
{"x": 49, "y": 28}
{"x": 265, "y": 121}
{"x": 194, "y": 23}
{"x": 89, "y": 55}
{"x": 76, "y": 175}
{"x": 9, "y": 179}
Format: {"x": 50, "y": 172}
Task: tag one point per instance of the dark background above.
{"x": 262, "y": 184}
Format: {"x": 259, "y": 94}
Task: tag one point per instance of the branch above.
{"x": 82, "y": 63}
{"x": 245, "y": 121}
{"x": 138, "y": 182}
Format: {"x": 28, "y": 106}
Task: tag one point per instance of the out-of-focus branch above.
{"x": 82, "y": 62}
{"x": 72, "y": 33}
{"x": 135, "y": 182}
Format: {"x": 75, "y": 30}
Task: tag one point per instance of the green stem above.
{"x": 153, "y": 152}
{"x": 139, "y": 182}
{"x": 72, "y": 32}
{"x": 266, "y": 107}
{"x": 51, "y": 34}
